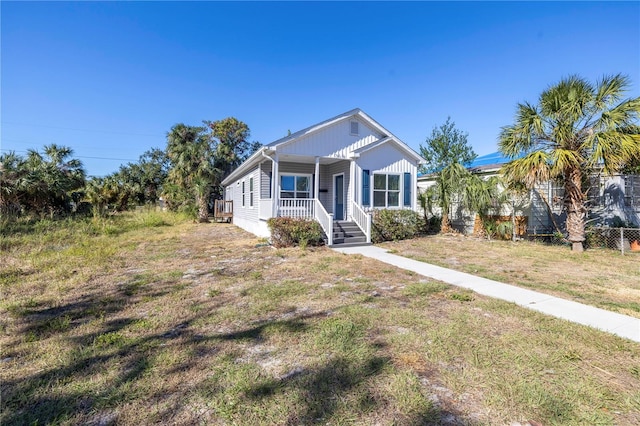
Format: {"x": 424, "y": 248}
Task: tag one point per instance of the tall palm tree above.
{"x": 190, "y": 152}
{"x": 576, "y": 129}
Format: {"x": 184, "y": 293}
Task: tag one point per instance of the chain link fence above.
{"x": 625, "y": 240}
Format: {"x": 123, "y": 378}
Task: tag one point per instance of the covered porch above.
{"x": 319, "y": 188}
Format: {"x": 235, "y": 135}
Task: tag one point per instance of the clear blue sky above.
{"x": 110, "y": 79}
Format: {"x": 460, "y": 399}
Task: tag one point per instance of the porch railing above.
{"x": 326, "y": 221}
{"x": 307, "y": 208}
{"x": 301, "y": 208}
{"x": 362, "y": 219}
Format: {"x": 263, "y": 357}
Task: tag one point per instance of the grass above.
{"x": 176, "y": 322}
{"x": 599, "y": 277}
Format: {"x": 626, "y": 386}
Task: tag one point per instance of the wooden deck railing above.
{"x": 302, "y": 208}
{"x": 223, "y": 209}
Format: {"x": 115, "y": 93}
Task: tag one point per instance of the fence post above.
{"x": 622, "y": 241}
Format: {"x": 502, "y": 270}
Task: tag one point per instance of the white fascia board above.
{"x": 392, "y": 139}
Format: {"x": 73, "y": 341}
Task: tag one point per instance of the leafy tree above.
{"x": 575, "y": 129}
{"x": 231, "y": 147}
{"x": 201, "y": 157}
{"x": 146, "y": 177}
{"x": 447, "y": 151}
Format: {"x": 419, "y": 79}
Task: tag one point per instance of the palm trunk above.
{"x": 576, "y": 211}
{"x": 203, "y": 208}
{"x": 445, "y": 224}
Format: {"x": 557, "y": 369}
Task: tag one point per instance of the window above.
{"x": 243, "y": 193}
{"x": 250, "y": 192}
{"x": 557, "y": 194}
{"x": 295, "y": 186}
{"x": 355, "y": 128}
{"x": 632, "y": 191}
{"x": 386, "y": 190}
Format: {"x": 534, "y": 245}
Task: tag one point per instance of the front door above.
{"x": 338, "y": 191}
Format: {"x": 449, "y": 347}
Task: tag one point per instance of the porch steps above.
{"x": 348, "y": 234}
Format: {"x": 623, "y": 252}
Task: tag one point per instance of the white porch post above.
{"x": 275, "y": 184}
{"x": 316, "y": 182}
{"x": 352, "y": 187}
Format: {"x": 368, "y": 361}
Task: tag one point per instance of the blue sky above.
{"x": 109, "y": 79}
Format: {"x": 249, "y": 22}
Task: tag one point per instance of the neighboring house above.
{"x": 612, "y": 200}
{"x": 335, "y": 172}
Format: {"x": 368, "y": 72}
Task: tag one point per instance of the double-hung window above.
{"x": 295, "y": 186}
{"x": 386, "y": 190}
{"x": 243, "y": 193}
{"x": 250, "y": 192}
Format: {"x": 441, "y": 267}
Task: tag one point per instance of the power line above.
{"x": 82, "y": 130}
{"x": 78, "y": 156}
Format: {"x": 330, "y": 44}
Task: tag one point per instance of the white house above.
{"x": 335, "y": 172}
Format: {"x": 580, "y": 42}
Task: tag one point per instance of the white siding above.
{"x": 387, "y": 159}
{"x": 265, "y": 182}
{"x": 245, "y": 213}
{"x": 334, "y": 141}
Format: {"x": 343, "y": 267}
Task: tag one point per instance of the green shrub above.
{"x": 393, "y": 225}
{"x": 288, "y": 232}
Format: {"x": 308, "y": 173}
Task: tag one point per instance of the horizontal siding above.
{"x": 265, "y": 183}
{"x": 302, "y": 168}
{"x": 333, "y": 141}
{"x": 235, "y": 189}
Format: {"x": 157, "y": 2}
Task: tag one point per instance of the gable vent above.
{"x": 355, "y": 128}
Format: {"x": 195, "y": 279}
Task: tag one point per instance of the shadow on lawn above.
{"x": 106, "y": 369}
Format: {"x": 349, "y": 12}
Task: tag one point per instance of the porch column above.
{"x": 352, "y": 186}
{"x": 316, "y": 183}
{"x": 275, "y": 184}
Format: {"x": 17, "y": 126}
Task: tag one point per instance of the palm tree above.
{"x": 13, "y": 181}
{"x": 576, "y": 129}
{"x": 192, "y": 170}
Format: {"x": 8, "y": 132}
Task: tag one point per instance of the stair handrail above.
{"x": 325, "y": 220}
{"x": 362, "y": 219}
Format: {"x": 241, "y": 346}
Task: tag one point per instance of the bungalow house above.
{"x": 612, "y": 200}
{"x": 335, "y": 172}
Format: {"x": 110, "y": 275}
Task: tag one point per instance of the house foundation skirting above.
{"x": 258, "y": 228}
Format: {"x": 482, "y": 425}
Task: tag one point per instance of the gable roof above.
{"x": 387, "y": 137}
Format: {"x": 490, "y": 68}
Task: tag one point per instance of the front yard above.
{"x": 598, "y": 277}
{"x": 180, "y": 323}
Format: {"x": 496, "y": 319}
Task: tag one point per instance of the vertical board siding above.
{"x": 389, "y": 159}
{"x": 334, "y": 141}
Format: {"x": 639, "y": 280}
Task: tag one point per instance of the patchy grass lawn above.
{"x": 148, "y": 319}
{"x": 598, "y": 277}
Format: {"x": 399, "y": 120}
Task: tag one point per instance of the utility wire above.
{"x": 78, "y": 156}
{"x": 83, "y": 130}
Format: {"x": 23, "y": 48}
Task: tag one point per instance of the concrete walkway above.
{"x": 611, "y": 322}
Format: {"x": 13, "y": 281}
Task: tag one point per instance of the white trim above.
{"x": 252, "y": 193}
{"x": 310, "y": 176}
{"x": 386, "y": 190}
{"x": 335, "y": 198}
